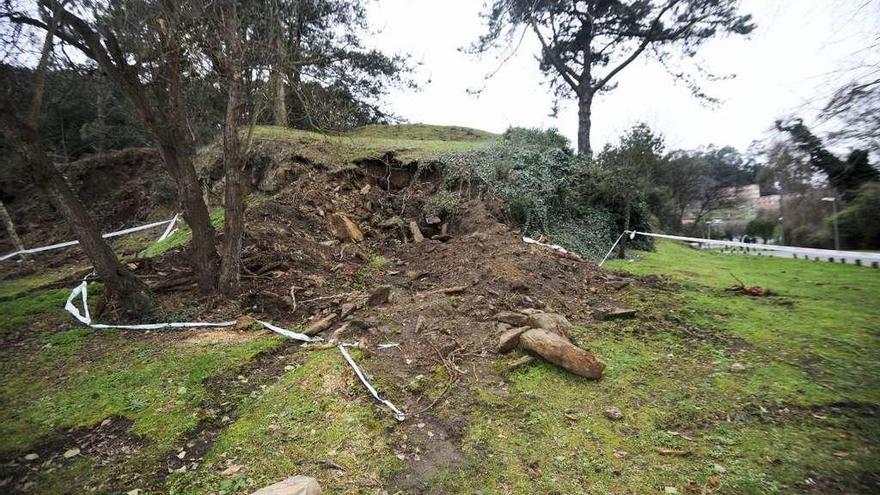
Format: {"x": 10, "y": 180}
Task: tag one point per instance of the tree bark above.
{"x": 279, "y": 96}
{"x": 230, "y": 64}
{"x": 203, "y": 259}
{"x": 585, "y": 104}
{"x": 10, "y": 230}
{"x": 559, "y": 351}
{"x": 132, "y": 294}
{"x": 626, "y": 214}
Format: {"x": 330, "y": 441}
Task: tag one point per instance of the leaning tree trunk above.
{"x": 279, "y": 96}
{"x": 10, "y": 229}
{"x": 132, "y": 294}
{"x": 585, "y": 116}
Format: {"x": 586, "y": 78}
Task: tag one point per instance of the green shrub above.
{"x": 858, "y": 224}
{"x": 443, "y": 204}
{"x": 545, "y": 187}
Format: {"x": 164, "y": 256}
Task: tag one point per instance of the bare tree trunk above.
{"x": 585, "y": 104}
{"x": 10, "y": 229}
{"x": 279, "y": 96}
{"x": 121, "y": 283}
{"x": 230, "y": 64}
{"x": 203, "y": 259}
{"x": 626, "y": 213}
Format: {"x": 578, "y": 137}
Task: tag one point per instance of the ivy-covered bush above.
{"x": 545, "y": 187}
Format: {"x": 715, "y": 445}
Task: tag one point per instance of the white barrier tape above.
{"x": 388, "y": 345}
{"x": 766, "y": 247}
{"x": 110, "y": 234}
{"x": 555, "y": 247}
{"x": 613, "y": 246}
{"x": 85, "y": 318}
{"x": 398, "y": 415}
{"x": 170, "y": 228}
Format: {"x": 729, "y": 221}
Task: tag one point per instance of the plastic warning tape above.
{"x": 60, "y": 245}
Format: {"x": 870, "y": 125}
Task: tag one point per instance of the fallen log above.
{"x": 559, "y": 351}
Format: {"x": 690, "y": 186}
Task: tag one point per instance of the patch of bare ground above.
{"x": 110, "y": 442}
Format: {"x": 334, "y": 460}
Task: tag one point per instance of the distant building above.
{"x": 747, "y": 203}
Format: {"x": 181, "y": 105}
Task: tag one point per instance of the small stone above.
{"x": 136, "y": 491}
{"x": 231, "y": 470}
{"x": 737, "y": 368}
{"x": 670, "y": 490}
{"x": 344, "y": 229}
{"x": 243, "y": 322}
{"x": 512, "y": 318}
{"x": 718, "y": 468}
{"x": 613, "y": 413}
{"x": 181, "y": 454}
{"x": 510, "y": 339}
{"x": 379, "y": 295}
{"x": 551, "y": 322}
{"x": 432, "y": 220}
{"x": 32, "y": 457}
{"x": 416, "y": 232}
{"x": 289, "y": 367}
{"x": 71, "y": 453}
{"x": 366, "y": 189}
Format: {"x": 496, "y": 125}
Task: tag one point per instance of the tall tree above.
{"x": 846, "y": 176}
{"x": 332, "y": 80}
{"x": 142, "y": 47}
{"x": 224, "y": 45}
{"x": 121, "y": 283}
{"x": 585, "y": 44}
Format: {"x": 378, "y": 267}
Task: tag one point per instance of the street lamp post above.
{"x": 833, "y": 201}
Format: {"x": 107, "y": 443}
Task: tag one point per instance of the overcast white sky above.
{"x": 795, "y": 53}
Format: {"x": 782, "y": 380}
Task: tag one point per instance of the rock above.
{"x": 295, "y": 485}
{"x": 617, "y": 284}
{"x": 613, "y": 413}
{"x": 320, "y": 325}
{"x": 71, "y": 453}
{"x": 32, "y": 457}
{"x": 243, "y": 322}
{"x": 366, "y": 189}
{"x": 559, "y": 351}
{"x": 737, "y": 368}
{"x": 416, "y": 233}
{"x": 231, "y": 470}
{"x": 617, "y": 313}
{"x": 512, "y": 318}
{"x": 432, "y": 220}
{"x": 344, "y": 229}
{"x": 509, "y": 340}
{"x": 550, "y": 321}
{"x": 136, "y": 491}
{"x": 379, "y": 295}
{"x": 670, "y": 490}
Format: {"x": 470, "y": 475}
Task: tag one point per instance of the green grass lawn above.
{"x": 801, "y": 417}
{"x": 408, "y": 143}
